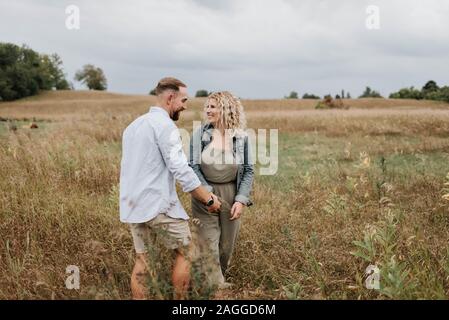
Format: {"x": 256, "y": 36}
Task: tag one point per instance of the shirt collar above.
{"x": 159, "y": 109}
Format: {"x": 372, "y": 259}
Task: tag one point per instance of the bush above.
{"x": 329, "y": 103}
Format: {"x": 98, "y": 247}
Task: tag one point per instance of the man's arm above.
{"x": 170, "y": 145}
{"x": 201, "y": 194}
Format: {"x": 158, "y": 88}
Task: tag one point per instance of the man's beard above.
{"x": 176, "y": 114}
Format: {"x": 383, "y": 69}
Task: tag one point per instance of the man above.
{"x": 152, "y": 160}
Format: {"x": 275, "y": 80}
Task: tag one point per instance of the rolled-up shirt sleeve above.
{"x": 170, "y": 145}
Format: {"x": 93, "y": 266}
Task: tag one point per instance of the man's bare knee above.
{"x": 185, "y": 252}
{"x": 140, "y": 266}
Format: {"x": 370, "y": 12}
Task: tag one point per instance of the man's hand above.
{"x": 216, "y": 206}
{"x": 236, "y": 210}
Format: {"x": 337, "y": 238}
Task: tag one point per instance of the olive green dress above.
{"x": 216, "y": 234}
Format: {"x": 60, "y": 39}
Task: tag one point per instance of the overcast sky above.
{"x": 254, "y": 48}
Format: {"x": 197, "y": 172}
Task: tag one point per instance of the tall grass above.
{"x": 351, "y": 191}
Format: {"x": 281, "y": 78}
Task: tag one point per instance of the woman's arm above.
{"x": 246, "y": 182}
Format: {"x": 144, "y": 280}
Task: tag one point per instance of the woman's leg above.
{"x": 207, "y": 229}
{"x": 229, "y": 233}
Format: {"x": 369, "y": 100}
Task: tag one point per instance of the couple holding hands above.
{"x": 219, "y": 176}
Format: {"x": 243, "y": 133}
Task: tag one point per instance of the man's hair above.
{"x": 169, "y": 84}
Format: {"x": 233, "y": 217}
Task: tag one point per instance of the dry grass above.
{"x": 369, "y": 174}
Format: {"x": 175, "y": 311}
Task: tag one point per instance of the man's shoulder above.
{"x": 163, "y": 127}
{"x": 161, "y": 123}
{"x": 136, "y": 123}
{"x": 152, "y": 121}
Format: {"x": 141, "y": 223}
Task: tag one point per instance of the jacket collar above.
{"x": 207, "y": 133}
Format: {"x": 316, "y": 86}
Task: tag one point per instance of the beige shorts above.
{"x": 174, "y": 233}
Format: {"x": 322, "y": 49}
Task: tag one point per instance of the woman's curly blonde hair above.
{"x": 232, "y": 115}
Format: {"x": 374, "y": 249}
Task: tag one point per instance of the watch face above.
{"x": 210, "y": 202}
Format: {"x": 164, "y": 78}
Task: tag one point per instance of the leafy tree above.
{"x": 92, "y": 77}
{"x": 19, "y": 76}
{"x": 201, "y": 93}
{"x": 407, "y": 93}
{"x": 153, "y": 92}
{"x": 51, "y": 67}
{"x": 23, "y": 72}
{"x": 368, "y": 93}
{"x": 310, "y": 96}
{"x": 430, "y": 87}
{"x": 441, "y": 95}
{"x": 430, "y": 91}
{"x": 293, "y": 95}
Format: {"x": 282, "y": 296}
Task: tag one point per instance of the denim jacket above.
{"x": 242, "y": 152}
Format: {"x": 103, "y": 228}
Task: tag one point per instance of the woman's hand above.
{"x": 236, "y": 210}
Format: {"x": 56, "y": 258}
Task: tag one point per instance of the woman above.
{"x": 220, "y": 155}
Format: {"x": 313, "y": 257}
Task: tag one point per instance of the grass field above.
{"x": 354, "y": 188}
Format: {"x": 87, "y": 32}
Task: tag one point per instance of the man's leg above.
{"x": 181, "y": 273}
{"x": 139, "y": 232}
{"x": 138, "y": 277}
{"x": 175, "y": 234}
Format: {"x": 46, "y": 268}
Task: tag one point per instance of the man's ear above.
{"x": 171, "y": 97}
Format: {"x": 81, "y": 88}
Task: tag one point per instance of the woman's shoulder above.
{"x": 202, "y": 132}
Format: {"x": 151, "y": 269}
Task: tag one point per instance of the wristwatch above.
{"x": 210, "y": 202}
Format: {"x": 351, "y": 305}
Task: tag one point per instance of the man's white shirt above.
{"x": 152, "y": 161}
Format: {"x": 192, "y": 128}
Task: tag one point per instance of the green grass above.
{"x": 301, "y": 154}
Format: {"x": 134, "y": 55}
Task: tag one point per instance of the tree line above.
{"x": 24, "y": 72}
{"x": 430, "y": 91}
